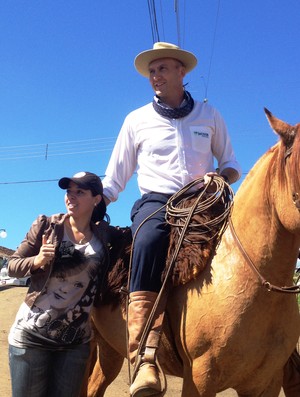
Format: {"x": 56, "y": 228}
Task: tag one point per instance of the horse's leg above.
{"x": 189, "y": 388}
{"x": 196, "y": 381}
{"x": 107, "y": 367}
{"x": 274, "y": 387}
{"x": 272, "y": 390}
{"x": 291, "y": 377}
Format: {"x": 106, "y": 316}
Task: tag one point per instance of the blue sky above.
{"x": 67, "y": 81}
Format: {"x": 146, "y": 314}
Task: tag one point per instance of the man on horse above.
{"x": 170, "y": 142}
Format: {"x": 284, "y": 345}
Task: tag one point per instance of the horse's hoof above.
{"x": 146, "y": 382}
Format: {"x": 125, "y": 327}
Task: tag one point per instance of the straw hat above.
{"x": 163, "y": 50}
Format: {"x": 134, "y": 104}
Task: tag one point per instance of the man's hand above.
{"x": 208, "y": 176}
{"x": 106, "y": 200}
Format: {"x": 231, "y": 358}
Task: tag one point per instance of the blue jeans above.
{"x": 47, "y": 373}
{"x": 150, "y": 244}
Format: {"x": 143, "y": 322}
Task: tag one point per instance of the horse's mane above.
{"x": 285, "y": 151}
{"x": 117, "y": 274}
{"x": 295, "y": 160}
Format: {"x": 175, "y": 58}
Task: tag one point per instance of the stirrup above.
{"x": 161, "y": 374}
{"x": 163, "y": 378}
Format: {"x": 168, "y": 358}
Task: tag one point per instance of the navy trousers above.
{"x": 150, "y": 244}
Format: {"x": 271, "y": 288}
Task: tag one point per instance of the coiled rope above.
{"x": 180, "y": 216}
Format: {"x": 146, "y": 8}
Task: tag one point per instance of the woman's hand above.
{"x": 46, "y": 254}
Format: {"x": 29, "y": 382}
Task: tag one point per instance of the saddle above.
{"x": 197, "y": 220}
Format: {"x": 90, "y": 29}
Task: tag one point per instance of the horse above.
{"x": 236, "y": 324}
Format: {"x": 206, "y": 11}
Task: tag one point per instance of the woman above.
{"x": 66, "y": 258}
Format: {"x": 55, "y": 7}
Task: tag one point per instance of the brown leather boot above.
{"x": 146, "y": 381}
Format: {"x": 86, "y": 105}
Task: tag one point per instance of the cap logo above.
{"x": 79, "y": 174}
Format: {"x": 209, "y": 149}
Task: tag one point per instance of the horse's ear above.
{"x": 285, "y": 130}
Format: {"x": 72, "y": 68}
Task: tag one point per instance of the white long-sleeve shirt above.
{"x": 168, "y": 153}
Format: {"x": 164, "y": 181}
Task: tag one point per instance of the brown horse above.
{"x": 235, "y": 325}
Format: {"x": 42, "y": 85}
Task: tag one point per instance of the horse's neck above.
{"x": 251, "y": 212}
{"x": 257, "y": 226}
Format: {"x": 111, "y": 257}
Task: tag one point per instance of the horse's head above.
{"x": 284, "y": 175}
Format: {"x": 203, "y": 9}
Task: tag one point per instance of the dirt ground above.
{"x": 10, "y": 300}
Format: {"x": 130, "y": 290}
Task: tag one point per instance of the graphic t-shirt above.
{"x": 60, "y": 315}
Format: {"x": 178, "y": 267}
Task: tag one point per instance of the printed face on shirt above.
{"x": 66, "y": 289}
{"x": 80, "y": 202}
{"x": 166, "y": 78}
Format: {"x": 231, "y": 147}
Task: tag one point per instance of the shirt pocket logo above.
{"x": 201, "y": 139}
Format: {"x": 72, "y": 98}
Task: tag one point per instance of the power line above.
{"x": 24, "y": 182}
{"x": 184, "y": 20}
{"x": 162, "y": 20}
{"x": 47, "y": 150}
{"x": 69, "y": 148}
{"x": 56, "y": 180}
{"x": 35, "y": 181}
{"x": 212, "y": 51}
{"x": 153, "y": 20}
{"x": 176, "y": 9}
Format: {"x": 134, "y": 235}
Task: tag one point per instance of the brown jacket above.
{"x": 21, "y": 262}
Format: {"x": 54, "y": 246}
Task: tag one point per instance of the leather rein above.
{"x": 294, "y": 289}
{"x": 295, "y": 195}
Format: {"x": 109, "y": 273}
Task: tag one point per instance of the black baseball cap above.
{"x": 85, "y": 180}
